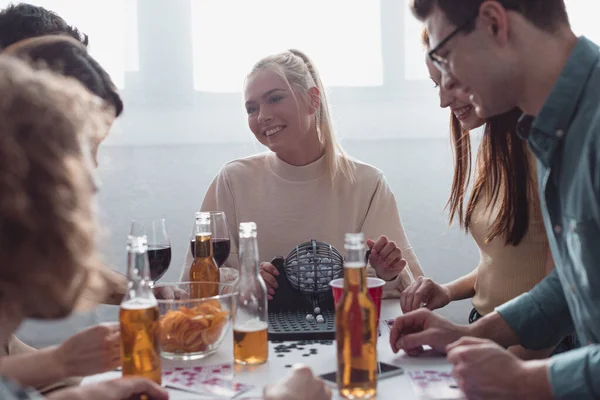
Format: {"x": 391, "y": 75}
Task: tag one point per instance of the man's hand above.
{"x": 484, "y": 370}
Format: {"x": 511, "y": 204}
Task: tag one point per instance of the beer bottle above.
{"x": 139, "y": 317}
{"x": 204, "y": 268}
{"x": 250, "y": 321}
{"x": 356, "y": 331}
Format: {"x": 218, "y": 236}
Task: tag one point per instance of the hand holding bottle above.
{"x": 91, "y": 351}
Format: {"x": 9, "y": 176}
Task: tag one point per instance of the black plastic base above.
{"x": 289, "y": 308}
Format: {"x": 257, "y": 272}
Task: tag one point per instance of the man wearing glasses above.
{"x": 523, "y": 53}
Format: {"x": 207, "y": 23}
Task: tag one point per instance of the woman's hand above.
{"x": 385, "y": 258}
{"x": 424, "y": 292}
{"x": 268, "y": 273}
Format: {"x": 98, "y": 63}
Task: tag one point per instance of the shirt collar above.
{"x": 545, "y": 131}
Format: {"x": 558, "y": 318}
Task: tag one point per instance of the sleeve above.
{"x": 219, "y": 197}
{"x": 574, "y": 374}
{"x": 10, "y": 390}
{"x": 540, "y": 317}
{"x": 382, "y": 218}
{"x": 15, "y": 346}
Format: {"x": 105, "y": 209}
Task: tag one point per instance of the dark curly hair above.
{"x": 24, "y": 21}
{"x": 69, "y": 57}
{"x": 47, "y": 222}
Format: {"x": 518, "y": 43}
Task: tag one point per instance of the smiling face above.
{"x": 279, "y": 115}
{"x": 481, "y": 63}
{"x": 457, "y": 101}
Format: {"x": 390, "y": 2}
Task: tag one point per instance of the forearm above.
{"x": 495, "y": 328}
{"x": 117, "y": 287}
{"x": 462, "y": 288}
{"x": 527, "y": 354}
{"x": 68, "y": 394}
{"x": 35, "y": 369}
{"x": 535, "y": 385}
{"x": 115, "y": 297}
{"x": 392, "y": 288}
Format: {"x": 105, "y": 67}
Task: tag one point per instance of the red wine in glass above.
{"x": 159, "y": 245}
{"x": 159, "y": 258}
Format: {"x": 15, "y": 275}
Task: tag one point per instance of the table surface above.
{"x": 322, "y": 362}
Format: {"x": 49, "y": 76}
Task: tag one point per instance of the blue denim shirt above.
{"x": 565, "y": 137}
{"x": 10, "y": 390}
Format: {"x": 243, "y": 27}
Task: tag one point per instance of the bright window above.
{"x": 112, "y": 28}
{"x": 583, "y": 15}
{"x": 342, "y": 37}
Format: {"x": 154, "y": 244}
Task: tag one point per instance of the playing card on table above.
{"x": 206, "y": 379}
{"x": 224, "y": 387}
{"x": 431, "y": 384}
{"x": 198, "y": 372}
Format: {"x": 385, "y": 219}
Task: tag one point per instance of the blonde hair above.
{"x": 298, "y": 70}
{"x": 47, "y": 222}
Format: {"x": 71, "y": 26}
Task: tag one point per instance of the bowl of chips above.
{"x": 194, "y": 321}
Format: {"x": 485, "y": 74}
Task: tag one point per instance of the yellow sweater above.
{"x": 506, "y": 271}
{"x": 292, "y": 204}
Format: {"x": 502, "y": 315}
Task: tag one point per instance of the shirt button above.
{"x": 557, "y": 229}
{"x": 559, "y": 133}
{"x": 573, "y": 227}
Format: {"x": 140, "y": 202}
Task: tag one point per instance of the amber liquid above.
{"x": 356, "y": 337}
{"x": 204, "y": 269}
{"x": 140, "y": 351}
{"x": 250, "y": 344}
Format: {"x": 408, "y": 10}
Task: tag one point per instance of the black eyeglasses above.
{"x": 440, "y": 62}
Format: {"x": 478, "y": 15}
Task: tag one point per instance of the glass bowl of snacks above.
{"x": 194, "y": 318}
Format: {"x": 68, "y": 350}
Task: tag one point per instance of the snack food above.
{"x": 193, "y": 329}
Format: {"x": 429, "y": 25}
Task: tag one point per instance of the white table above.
{"x": 325, "y": 361}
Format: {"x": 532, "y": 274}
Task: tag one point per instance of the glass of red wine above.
{"x": 220, "y": 237}
{"x": 159, "y": 245}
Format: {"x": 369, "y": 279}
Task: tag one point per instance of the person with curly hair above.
{"x": 47, "y": 221}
